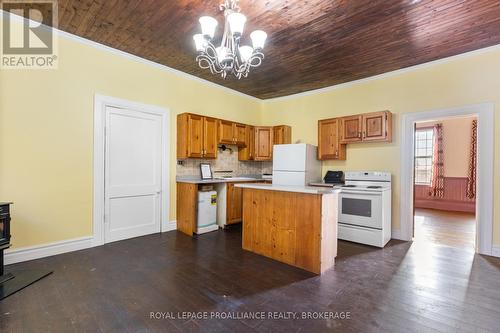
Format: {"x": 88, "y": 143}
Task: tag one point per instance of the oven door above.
{"x": 361, "y": 208}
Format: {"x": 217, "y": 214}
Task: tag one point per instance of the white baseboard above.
{"x": 51, "y": 249}
{"x": 169, "y": 226}
{"x": 495, "y": 251}
{"x": 46, "y": 250}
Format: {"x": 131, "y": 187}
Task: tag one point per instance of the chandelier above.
{"x": 230, "y": 57}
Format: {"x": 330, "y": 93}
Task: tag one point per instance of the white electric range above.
{"x": 365, "y": 208}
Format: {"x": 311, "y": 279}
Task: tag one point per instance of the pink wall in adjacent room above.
{"x": 456, "y": 142}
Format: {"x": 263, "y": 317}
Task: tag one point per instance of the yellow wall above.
{"x": 46, "y": 125}
{"x": 46, "y": 132}
{"x": 457, "y": 136}
{"x": 461, "y": 81}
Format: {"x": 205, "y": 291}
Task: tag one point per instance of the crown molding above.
{"x": 389, "y": 74}
{"x": 293, "y": 96}
{"x": 130, "y": 56}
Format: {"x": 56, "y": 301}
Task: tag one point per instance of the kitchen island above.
{"x": 296, "y": 225}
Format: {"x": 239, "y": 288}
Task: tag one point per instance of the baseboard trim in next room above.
{"x": 46, "y": 250}
{"x": 169, "y": 226}
{"x": 495, "y": 251}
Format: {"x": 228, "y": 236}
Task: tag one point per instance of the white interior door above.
{"x": 133, "y": 164}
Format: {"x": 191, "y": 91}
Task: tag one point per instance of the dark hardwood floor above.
{"x": 405, "y": 287}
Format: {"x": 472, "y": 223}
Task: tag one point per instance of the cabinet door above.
{"x": 209, "y": 137}
{"x": 282, "y": 135}
{"x": 329, "y": 147}
{"x": 351, "y": 129}
{"x": 226, "y": 134}
{"x": 195, "y": 136}
{"x": 234, "y": 209}
{"x": 375, "y": 126}
{"x": 247, "y": 153}
{"x": 263, "y": 143}
{"x": 240, "y": 134}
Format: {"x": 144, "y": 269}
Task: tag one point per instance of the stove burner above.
{"x": 348, "y": 185}
{"x": 374, "y": 187}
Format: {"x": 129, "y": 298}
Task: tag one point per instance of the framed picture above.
{"x": 206, "y": 171}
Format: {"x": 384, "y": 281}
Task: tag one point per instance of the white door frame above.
{"x": 485, "y": 158}
{"x": 100, "y": 104}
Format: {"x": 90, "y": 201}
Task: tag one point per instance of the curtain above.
{"x": 437, "y": 184}
{"x": 471, "y": 178}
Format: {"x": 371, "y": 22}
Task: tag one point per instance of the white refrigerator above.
{"x": 295, "y": 165}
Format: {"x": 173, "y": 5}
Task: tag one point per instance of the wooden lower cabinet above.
{"x": 295, "y": 228}
{"x": 234, "y": 208}
{"x": 187, "y": 207}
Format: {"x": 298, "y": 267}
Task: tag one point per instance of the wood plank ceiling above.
{"x": 312, "y": 44}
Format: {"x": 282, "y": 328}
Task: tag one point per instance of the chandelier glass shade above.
{"x": 230, "y": 58}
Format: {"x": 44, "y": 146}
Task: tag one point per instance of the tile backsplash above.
{"x": 226, "y": 161}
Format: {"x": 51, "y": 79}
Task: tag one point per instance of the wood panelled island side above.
{"x": 296, "y": 225}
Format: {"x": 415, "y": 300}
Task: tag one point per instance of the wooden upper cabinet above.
{"x": 196, "y": 136}
{"x": 226, "y": 132}
{"x": 195, "y": 139}
{"x": 282, "y": 135}
{"x": 263, "y": 143}
{"x": 247, "y": 153}
{"x": 329, "y": 147}
{"x": 377, "y": 126}
{"x": 351, "y": 129}
{"x": 199, "y": 137}
{"x": 189, "y": 136}
{"x": 240, "y": 134}
{"x": 209, "y": 137}
{"x": 231, "y": 133}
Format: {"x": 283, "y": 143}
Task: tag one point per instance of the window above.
{"x": 424, "y": 149}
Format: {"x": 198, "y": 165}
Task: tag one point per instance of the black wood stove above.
{"x": 4, "y": 237}
{"x": 14, "y": 281}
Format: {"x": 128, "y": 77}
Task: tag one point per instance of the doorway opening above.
{"x": 444, "y": 186}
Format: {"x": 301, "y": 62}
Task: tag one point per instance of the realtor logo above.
{"x": 28, "y": 39}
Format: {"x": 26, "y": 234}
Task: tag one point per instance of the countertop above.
{"x": 297, "y": 189}
{"x": 198, "y": 180}
{"x": 322, "y": 184}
